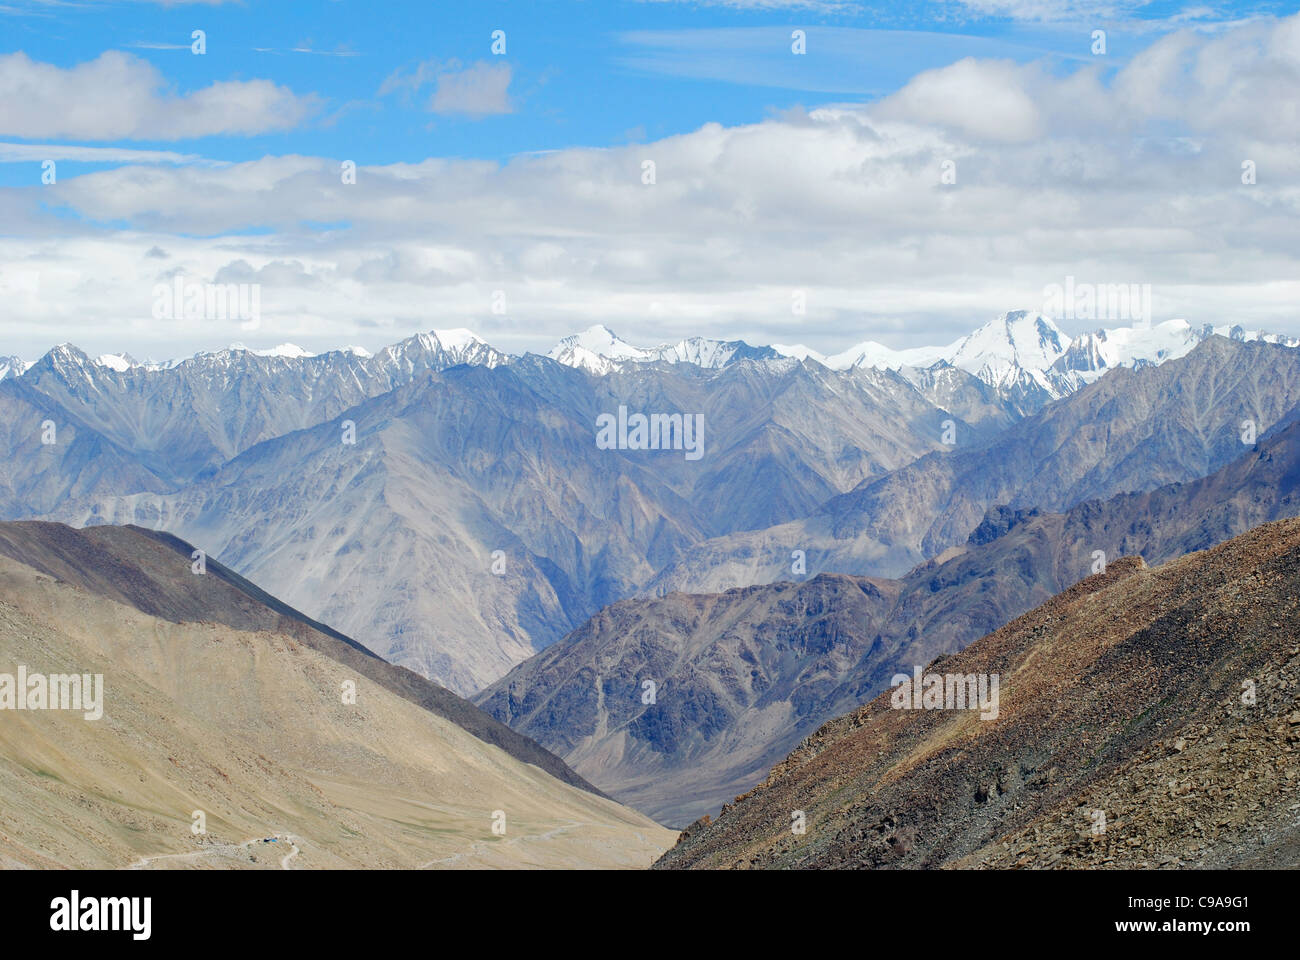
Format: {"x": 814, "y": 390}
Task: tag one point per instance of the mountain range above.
{"x": 1132, "y": 430}
{"x": 446, "y": 504}
{"x": 1018, "y": 347}
{"x": 451, "y": 507}
{"x": 742, "y": 676}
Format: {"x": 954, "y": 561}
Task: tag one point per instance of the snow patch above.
{"x": 115, "y": 361}
{"x": 289, "y": 350}
{"x": 457, "y": 339}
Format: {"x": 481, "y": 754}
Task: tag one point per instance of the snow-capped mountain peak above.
{"x": 1092, "y": 354}
{"x": 1014, "y": 341}
{"x": 1019, "y": 353}
{"x": 458, "y": 339}
{"x": 437, "y": 349}
{"x": 601, "y": 341}
{"x": 1022, "y": 355}
{"x": 597, "y": 350}
{"x": 800, "y": 352}
{"x": 13, "y": 367}
{"x": 873, "y": 355}
{"x": 1019, "y": 340}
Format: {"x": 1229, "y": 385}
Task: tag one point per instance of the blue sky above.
{"x": 403, "y": 83}
{"x": 583, "y": 73}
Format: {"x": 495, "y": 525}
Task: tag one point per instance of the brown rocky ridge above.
{"x": 1148, "y": 718}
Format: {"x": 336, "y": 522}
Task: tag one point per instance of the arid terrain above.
{"x": 250, "y": 726}
{"x": 1148, "y": 718}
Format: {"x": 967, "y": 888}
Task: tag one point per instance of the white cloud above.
{"x": 1040, "y": 11}
{"x": 1130, "y": 178}
{"x": 479, "y": 90}
{"x": 120, "y": 97}
{"x": 37, "y": 152}
{"x": 827, "y": 6}
{"x": 1056, "y": 10}
{"x": 984, "y": 99}
{"x": 1242, "y": 83}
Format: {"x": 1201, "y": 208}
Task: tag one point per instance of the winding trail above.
{"x": 225, "y": 849}
{"x": 478, "y": 845}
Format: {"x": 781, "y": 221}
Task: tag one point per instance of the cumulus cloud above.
{"x": 120, "y": 97}
{"x": 1243, "y": 83}
{"x": 983, "y": 99}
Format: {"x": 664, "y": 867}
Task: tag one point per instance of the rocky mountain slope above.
{"x": 1132, "y": 430}
{"x": 475, "y": 519}
{"x": 251, "y": 725}
{"x": 154, "y": 573}
{"x": 1146, "y": 718}
{"x": 679, "y": 703}
{"x": 37, "y": 475}
{"x": 179, "y": 420}
{"x": 811, "y": 650}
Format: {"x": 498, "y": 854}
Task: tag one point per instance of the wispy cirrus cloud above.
{"x": 304, "y": 47}
{"x": 1043, "y": 12}
{"x": 826, "y": 6}
{"x": 308, "y": 48}
{"x": 1056, "y": 10}
{"x": 847, "y": 60}
{"x": 36, "y": 152}
{"x": 478, "y": 90}
{"x": 1133, "y": 14}
{"x": 39, "y": 4}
